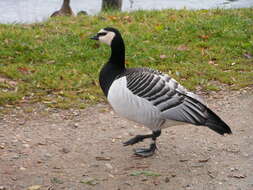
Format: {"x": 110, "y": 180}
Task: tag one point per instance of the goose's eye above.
{"x": 102, "y": 34}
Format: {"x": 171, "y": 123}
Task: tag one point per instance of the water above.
{"x": 29, "y": 11}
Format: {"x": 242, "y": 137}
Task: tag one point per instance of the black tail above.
{"x": 215, "y": 123}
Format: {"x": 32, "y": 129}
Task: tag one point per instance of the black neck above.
{"x": 118, "y": 53}
{"x": 115, "y": 65}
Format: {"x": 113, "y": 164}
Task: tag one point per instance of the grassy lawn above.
{"x": 55, "y": 62}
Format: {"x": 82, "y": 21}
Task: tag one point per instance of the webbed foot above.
{"x": 145, "y": 152}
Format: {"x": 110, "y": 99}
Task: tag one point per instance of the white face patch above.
{"x": 107, "y": 38}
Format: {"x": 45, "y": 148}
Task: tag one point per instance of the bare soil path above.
{"x": 50, "y": 149}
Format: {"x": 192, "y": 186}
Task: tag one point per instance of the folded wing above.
{"x": 172, "y": 100}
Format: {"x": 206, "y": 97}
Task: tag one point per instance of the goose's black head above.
{"x": 108, "y": 36}
{"x": 112, "y": 37}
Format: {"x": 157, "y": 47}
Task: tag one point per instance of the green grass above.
{"x": 145, "y": 173}
{"x": 55, "y": 62}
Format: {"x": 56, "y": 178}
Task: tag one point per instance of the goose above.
{"x": 150, "y": 97}
{"x": 65, "y": 10}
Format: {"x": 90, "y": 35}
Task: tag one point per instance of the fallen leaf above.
{"x": 182, "y": 48}
{"x": 42, "y": 143}
{"x": 173, "y": 17}
{"x": 102, "y": 158}
{"x": 238, "y": 176}
{"x": 156, "y": 182}
{"x": 203, "y": 52}
{"x": 57, "y": 167}
{"x": 204, "y": 37}
{"x": 25, "y": 70}
{"x": 8, "y": 81}
{"x": 163, "y": 56}
{"x": 138, "y": 166}
{"x": 34, "y": 187}
{"x": 127, "y": 18}
{"x": 22, "y": 168}
{"x": 113, "y": 18}
{"x": 204, "y": 160}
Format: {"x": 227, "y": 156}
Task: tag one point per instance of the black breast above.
{"x": 107, "y": 75}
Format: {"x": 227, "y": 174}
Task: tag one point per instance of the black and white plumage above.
{"x": 150, "y": 97}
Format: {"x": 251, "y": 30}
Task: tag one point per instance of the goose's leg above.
{"x": 145, "y": 152}
{"x": 136, "y": 139}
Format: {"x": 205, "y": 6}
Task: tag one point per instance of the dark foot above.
{"x": 145, "y": 152}
{"x": 139, "y": 138}
{"x": 136, "y": 139}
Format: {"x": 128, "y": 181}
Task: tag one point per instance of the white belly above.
{"x": 133, "y": 107}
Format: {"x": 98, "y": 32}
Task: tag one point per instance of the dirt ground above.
{"x": 49, "y": 149}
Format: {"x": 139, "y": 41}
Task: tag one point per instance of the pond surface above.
{"x": 29, "y": 11}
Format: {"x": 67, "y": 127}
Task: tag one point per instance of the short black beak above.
{"x": 94, "y": 37}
